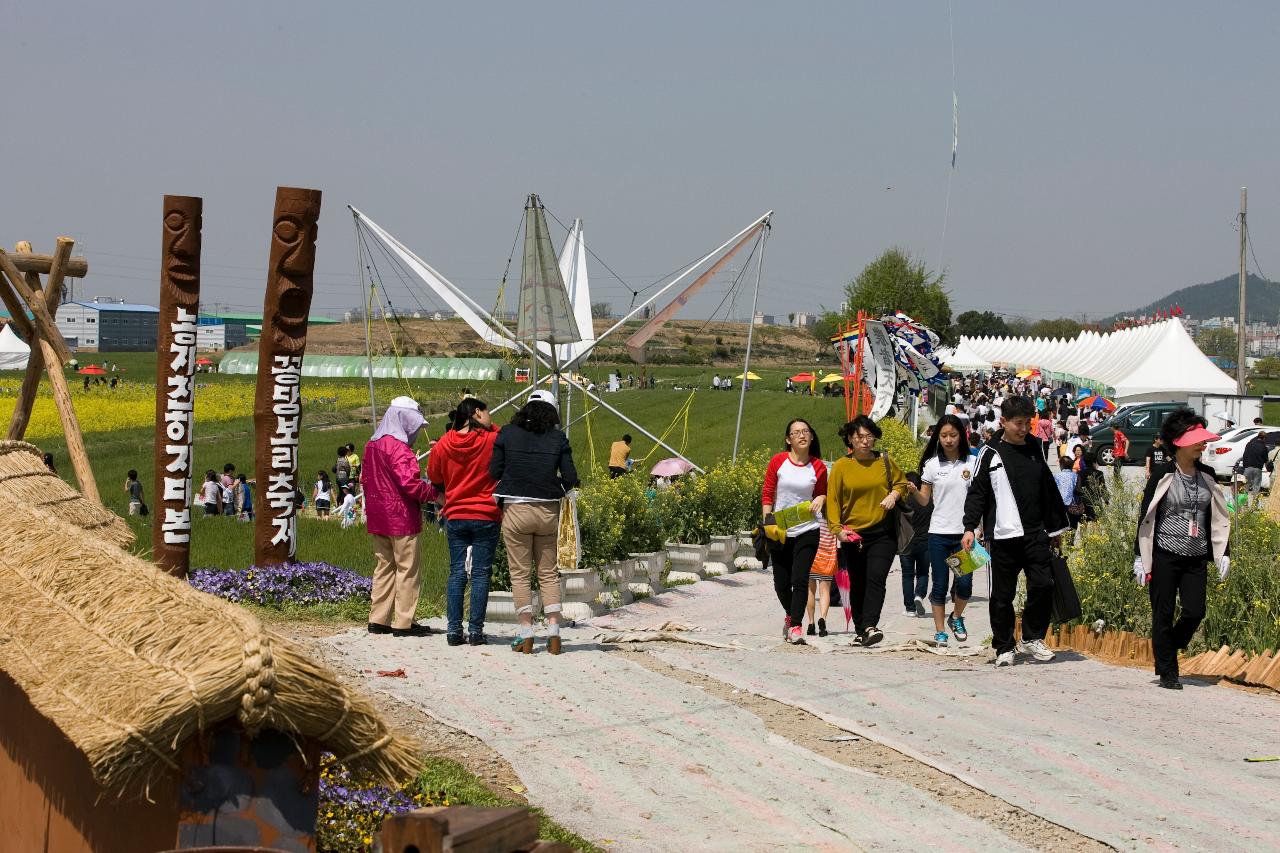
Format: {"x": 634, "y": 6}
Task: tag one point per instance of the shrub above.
{"x": 720, "y": 502}
{"x": 1241, "y": 612}
{"x": 898, "y": 442}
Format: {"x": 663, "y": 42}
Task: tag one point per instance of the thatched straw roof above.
{"x": 24, "y": 478}
{"x": 130, "y": 663}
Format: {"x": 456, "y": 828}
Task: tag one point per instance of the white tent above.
{"x": 1153, "y": 362}
{"x": 13, "y": 352}
{"x": 964, "y": 359}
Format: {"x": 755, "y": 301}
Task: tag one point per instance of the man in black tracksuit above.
{"x": 1014, "y": 498}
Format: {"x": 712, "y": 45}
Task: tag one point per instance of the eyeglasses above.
{"x": 796, "y": 433}
{"x": 862, "y": 436}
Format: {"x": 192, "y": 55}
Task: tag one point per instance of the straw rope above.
{"x": 24, "y": 476}
{"x": 131, "y": 663}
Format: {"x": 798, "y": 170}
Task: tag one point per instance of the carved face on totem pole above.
{"x": 182, "y": 224}
{"x": 293, "y": 250}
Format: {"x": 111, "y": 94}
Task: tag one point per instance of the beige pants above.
{"x": 529, "y": 530}
{"x": 396, "y": 585}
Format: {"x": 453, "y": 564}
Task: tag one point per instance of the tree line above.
{"x": 896, "y": 281}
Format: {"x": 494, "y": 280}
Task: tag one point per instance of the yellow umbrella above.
{"x": 831, "y": 377}
{"x": 749, "y": 375}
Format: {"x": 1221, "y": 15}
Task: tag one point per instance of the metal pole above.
{"x": 1242, "y": 328}
{"x": 368, "y": 306}
{"x": 746, "y": 361}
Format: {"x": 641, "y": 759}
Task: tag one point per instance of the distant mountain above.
{"x": 1218, "y": 299}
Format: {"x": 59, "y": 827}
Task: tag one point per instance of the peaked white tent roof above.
{"x": 1153, "y": 362}
{"x": 13, "y": 352}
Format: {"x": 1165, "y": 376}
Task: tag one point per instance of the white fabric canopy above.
{"x": 1153, "y": 362}
{"x": 964, "y": 359}
{"x": 13, "y": 352}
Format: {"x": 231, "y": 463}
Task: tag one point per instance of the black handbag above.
{"x": 899, "y": 517}
{"x": 1066, "y": 601}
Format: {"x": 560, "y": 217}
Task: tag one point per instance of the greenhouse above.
{"x": 384, "y": 367}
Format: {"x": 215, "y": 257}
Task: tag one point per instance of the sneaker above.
{"x": 796, "y": 636}
{"x": 940, "y": 639}
{"x": 910, "y": 611}
{"x": 813, "y": 630}
{"x": 822, "y": 627}
{"x": 1170, "y": 682}
{"x": 477, "y": 638}
{"x": 786, "y": 627}
{"x": 455, "y": 639}
{"x": 956, "y": 624}
{"x": 872, "y": 636}
{"x": 379, "y": 628}
{"x": 920, "y": 611}
{"x": 1037, "y": 649}
{"x": 856, "y": 641}
{"x": 1004, "y": 659}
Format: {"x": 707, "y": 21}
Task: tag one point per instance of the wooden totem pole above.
{"x": 49, "y": 352}
{"x": 175, "y": 384}
{"x": 277, "y": 410}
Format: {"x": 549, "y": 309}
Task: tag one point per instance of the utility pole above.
{"x": 1242, "y": 328}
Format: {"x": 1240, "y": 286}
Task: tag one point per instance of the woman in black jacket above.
{"x": 533, "y": 465}
{"x": 1182, "y": 525}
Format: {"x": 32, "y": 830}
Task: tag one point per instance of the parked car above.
{"x": 1225, "y": 455}
{"x": 1140, "y": 424}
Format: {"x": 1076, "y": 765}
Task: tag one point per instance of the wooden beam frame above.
{"x": 46, "y": 356}
{"x": 31, "y": 262}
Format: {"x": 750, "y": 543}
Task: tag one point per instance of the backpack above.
{"x": 342, "y": 469}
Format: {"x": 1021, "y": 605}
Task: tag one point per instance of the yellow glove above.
{"x": 773, "y": 531}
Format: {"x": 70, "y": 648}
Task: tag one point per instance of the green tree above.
{"x": 824, "y": 327}
{"x": 1063, "y": 327}
{"x": 897, "y": 282}
{"x": 1220, "y": 342}
{"x": 1269, "y": 367}
{"x": 977, "y": 324}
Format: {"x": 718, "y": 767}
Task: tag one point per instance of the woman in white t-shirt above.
{"x": 322, "y": 494}
{"x": 210, "y": 492}
{"x": 946, "y": 471}
{"x": 792, "y": 479}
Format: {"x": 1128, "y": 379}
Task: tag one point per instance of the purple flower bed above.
{"x": 351, "y": 812}
{"x": 286, "y": 583}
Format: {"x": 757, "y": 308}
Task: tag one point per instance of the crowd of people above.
{"x": 995, "y": 489}
{"x": 490, "y": 482}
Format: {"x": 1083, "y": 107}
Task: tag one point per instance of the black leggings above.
{"x": 791, "y": 573}
{"x": 1181, "y": 579}
{"x": 868, "y": 564}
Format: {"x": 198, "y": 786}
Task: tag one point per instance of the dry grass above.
{"x": 25, "y": 479}
{"x": 130, "y": 663}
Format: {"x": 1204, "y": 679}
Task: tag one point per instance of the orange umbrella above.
{"x": 204, "y": 362}
{"x": 802, "y": 377}
{"x": 92, "y": 370}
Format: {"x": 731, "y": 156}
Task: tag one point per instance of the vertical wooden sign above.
{"x": 277, "y": 410}
{"x": 175, "y": 383}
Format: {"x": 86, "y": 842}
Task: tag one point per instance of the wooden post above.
{"x": 175, "y": 388}
{"x": 52, "y": 292}
{"x": 35, "y": 361}
{"x": 17, "y": 314}
{"x": 53, "y": 360}
{"x": 48, "y": 330}
{"x": 277, "y": 408}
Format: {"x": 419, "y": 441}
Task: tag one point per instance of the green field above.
{"x": 226, "y": 543}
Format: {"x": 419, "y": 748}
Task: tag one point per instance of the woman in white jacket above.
{"x": 1182, "y": 525}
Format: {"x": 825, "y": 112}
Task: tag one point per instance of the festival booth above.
{"x": 1158, "y": 361}
{"x": 14, "y": 354}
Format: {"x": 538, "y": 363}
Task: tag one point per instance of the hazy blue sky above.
{"x": 1102, "y": 145}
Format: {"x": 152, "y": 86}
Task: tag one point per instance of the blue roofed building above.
{"x": 107, "y": 324}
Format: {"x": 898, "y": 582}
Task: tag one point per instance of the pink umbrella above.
{"x": 672, "y": 467}
{"x": 842, "y": 584}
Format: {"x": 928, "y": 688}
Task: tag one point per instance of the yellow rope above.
{"x": 591, "y": 441}
{"x": 682, "y": 417}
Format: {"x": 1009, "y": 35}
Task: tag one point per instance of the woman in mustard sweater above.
{"x": 862, "y": 488}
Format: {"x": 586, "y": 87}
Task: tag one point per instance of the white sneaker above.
{"x": 919, "y": 606}
{"x": 1037, "y": 649}
{"x": 910, "y": 613}
{"x": 1004, "y": 659}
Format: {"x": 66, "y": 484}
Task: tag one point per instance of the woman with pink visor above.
{"x": 1182, "y": 525}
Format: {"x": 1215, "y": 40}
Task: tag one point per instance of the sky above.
{"x": 1102, "y": 146}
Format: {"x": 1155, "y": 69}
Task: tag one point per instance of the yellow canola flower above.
{"x": 133, "y": 405}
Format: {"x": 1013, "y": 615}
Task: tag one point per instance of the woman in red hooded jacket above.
{"x": 394, "y": 492}
{"x": 459, "y": 467}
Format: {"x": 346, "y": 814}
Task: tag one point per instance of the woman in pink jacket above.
{"x": 394, "y": 492}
